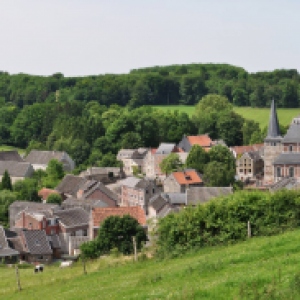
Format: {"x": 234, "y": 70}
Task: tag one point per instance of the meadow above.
{"x": 260, "y": 115}
{"x": 10, "y": 148}
{"x": 259, "y": 268}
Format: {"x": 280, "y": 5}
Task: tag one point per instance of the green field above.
{"x": 265, "y": 268}
{"x": 260, "y": 115}
{"x": 9, "y": 148}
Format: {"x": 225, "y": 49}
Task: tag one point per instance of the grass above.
{"x": 9, "y": 148}
{"x": 260, "y": 115}
{"x": 260, "y": 268}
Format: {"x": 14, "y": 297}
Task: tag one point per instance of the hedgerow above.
{"x": 224, "y": 220}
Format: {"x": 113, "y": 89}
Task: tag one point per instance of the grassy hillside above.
{"x": 260, "y": 115}
{"x": 264, "y": 268}
{"x": 9, "y": 148}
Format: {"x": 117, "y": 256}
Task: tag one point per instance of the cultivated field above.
{"x": 260, "y": 115}
{"x": 260, "y": 268}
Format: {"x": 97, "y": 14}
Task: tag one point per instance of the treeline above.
{"x": 177, "y": 84}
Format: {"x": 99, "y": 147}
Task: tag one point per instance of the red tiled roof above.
{"x": 242, "y": 149}
{"x": 100, "y": 214}
{"x": 182, "y": 177}
{"x": 44, "y": 193}
{"x": 180, "y": 150}
{"x": 153, "y": 151}
{"x": 201, "y": 140}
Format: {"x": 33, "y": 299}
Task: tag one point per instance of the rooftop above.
{"x": 201, "y": 140}
{"x": 187, "y": 177}
{"x": 15, "y": 168}
{"x": 10, "y": 156}
{"x": 37, "y": 242}
{"x": 73, "y": 217}
{"x": 43, "y": 157}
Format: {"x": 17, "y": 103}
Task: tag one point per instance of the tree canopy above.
{"x": 171, "y": 163}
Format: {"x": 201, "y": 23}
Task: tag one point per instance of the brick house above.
{"x": 137, "y": 192}
{"x": 98, "y": 215}
{"x": 178, "y": 182}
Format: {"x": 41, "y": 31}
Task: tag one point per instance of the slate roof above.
{"x": 100, "y": 214}
{"x": 43, "y": 157}
{"x": 36, "y": 242}
{"x": 292, "y": 135}
{"x": 10, "y": 156}
{"x": 125, "y": 153}
{"x": 73, "y": 217}
{"x": 100, "y": 171}
{"x": 70, "y": 184}
{"x": 44, "y": 193}
{"x": 165, "y": 148}
{"x": 109, "y": 193}
{"x": 243, "y": 149}
{"x": 15, "y": 168}
{"x": 167, "y": 209}
{"x": 17, "y": 244}
{"x": 175, "y": 198}
{"x": 287, "y": 158}
{"x": 197, "y": 195}
{"x": 273, "y": 130}
{"x": 34, "y": 205}
{"x": 86, "y": 204}
{"x": 254, "y": 155}
{"x": 131, "y": 181}
{"x": 187, "y": 177}
{"x": 157, "y": 202}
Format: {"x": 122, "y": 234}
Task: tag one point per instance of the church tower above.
{"x": 273, "y": 144}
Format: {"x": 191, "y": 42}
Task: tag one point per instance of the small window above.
{"x": 0, "y": 246}
{"x": 153, "y": 191}
{"x": 291, "y": 148}
{"x": 278, "y": 170}
{"x": 291, "y": 171}
{"x": 30, "y": 224}
{"x": 249, "y": 170}
{"x": 49, "y": 222}
{"x": 84, "y": 232}
{"x": 41, "y": 257}
{"x": 72, "y": 234}
{"x": 37, "y": 243}
{"x": 146, "y": 191}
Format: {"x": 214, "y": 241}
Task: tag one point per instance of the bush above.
{"x": 224, "y": 220}
{"x": 54, "y": 198}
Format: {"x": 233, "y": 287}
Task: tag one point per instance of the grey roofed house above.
{"x": 165, "y": 148}
{"x": 10, "y": 156}
{"x": 17, "y": 244}
{"x": 175, "y": 198}
{"x": 158, "y": 202}
{"x": 92, "y": 172}
{"x": 287, "y": 158}
{"x": 255, "y": 155}
{"x": 16, "y": 169}
{"x": 70, "y": 185}
{"x": 273, "y": 134}
{"x": 134, "y": 182}
{"x": 86, "y": 204}
{"x": 73, "y": 217}
{"x": 125, "y": 153}
{"x": 197, "y": 195}
{"x": 36, "y": 242}
{"x": 5, "y": 249}
{"x": 293, "y": 134}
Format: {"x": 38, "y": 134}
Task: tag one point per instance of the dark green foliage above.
{"x": 115, "y": 232}
{"x": 224, "y": 220}
{"x": 7, "y": 197}
{"x": 197, "y": 159}
{"x": 27, "y": 190}
{"x": 6, "y": 182}
{"x": 171, "y": 163}
{"x": 55, "y": 169}
{"x": 54, "y": 198}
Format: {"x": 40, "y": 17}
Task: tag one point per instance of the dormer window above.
{"x": 187, "y": 177}
{"x": 37, "y": 243}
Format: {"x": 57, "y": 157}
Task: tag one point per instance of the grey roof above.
{"x": 43, "y": 157}
{"x": 73, "y": 217}
{"x": 34, "y": 205}
{"x": 10, "y": 156}
{"x": 167, "y": 209}
{"x": 37, "y": 242}
{"x": 255, "y": 155}
{"x": 17, "y": 244}
{"x": 100, "y": 171}
{"x": 165, "y": 148}
{"x": 54, "y": 241}
{"x": 287, "y": 158}
{"x": 131, "y": 181}
{"x": 157, "y": 202}
{"x": 109, "y": 193}
{"x": 292, "y": 135}
{"x": 86, "y": 204}
{"x": 70, "y": 184}
{"x": 286, "y": 182}
{"x": 15, "y": 168}
{"x": 125, "y": 153}
{"x": 196, "y": 195}
{"x": 175, "y": 198}
{"x": 273, "y": 130}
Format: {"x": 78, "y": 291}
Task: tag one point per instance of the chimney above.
{"x": 23, "y": 217}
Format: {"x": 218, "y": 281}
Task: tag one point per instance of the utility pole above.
{"x": 134, "y": 248}
{"x": 83, "y": 264}
{"x": 249, "y": 230}
{"x": 18, "y": 279}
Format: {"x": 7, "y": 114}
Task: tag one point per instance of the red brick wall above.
{"x": 25, "y": 220}
{"x": 285, "y": 170}
{"x": 287, "y": 149}
{"x": 98, "y": 195}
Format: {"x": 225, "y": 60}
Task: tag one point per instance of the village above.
{"x": 41, "y": 232}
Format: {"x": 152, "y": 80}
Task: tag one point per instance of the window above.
{"x": 291, "y": 148}
{"x": 49, "y": 222}
{"x": 30, "y": 224}
{"x": 153, "y": 191}
{"x": 250, "y": 170}
{"x": 37, "y": 243}
{"x": 84, "y": 232}
{"x": 291, "y": 171}
{"x": 41, "y": 257}
{"x": 72, "y": 234}
{"x": 278, "y": 170}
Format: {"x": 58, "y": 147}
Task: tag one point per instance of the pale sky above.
{"x": 87, "y": 37}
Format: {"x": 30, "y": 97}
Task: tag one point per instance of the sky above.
{"x": 89, "y": 37}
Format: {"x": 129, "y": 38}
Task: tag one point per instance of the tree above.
{"x": 222, "y": 154}
{"x": 54, "y": 198}
{"x": 115, "y": 232}
{"x": 55, "y": 169}
{"x": 7, "y": 197}
{"x": 197, "y": 159}
{"x": 171, "y": 163}
{"x": 27, "y": 190}
{"x": 6, "y": 182}
{"x": 210, "y": 103}
{"x": 249, "y": 127}
{"x": 131, "y": 140}
{"x": 109, "y": 160}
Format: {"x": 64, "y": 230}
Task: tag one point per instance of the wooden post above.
{"x": 249, "y": 230}
{"x": 18, "y": 279}
{"x": 134, "y": 248}
{"x": 83, "y": 264}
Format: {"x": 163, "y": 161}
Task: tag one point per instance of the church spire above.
{"x": 273, "y": 130}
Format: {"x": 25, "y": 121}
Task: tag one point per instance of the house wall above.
{"x": 39, "y": 167}
{"x": 285, "y": 171}
{"x": 270, "y": 154}
{"x": 171, "y": 185}
{"x": 99, "y": 195}
{"x": 151, "y": 212}
{"x": 29, "y": 223}
{"x": 39, "y": 259}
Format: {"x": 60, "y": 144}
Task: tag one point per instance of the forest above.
{"x": 176, "y": 84}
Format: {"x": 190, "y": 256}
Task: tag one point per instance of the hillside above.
{"x": 264, "y": 268}
{"x": 260, "y": 115}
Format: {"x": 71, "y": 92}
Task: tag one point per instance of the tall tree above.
{"x": 6, "y": 182}
{"x": 197, "y": 159}
{"x": 171, "y": 163}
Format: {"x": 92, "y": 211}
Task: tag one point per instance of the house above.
{"x": 40, "y": 159}
{"x": 203, "y": 141}
{"x": 137, "y": 192}
{"x": 7, "y": 253}
{"x": 238, "y": 151}
{"x": 178, "y": 182}
{"x": 161, "y": 205}
{"x": 105, "y": 174}
{"x": 249, "y": 165}
{"x": 19, "y": 206}
{"x": 37, "y": 246}
{"x": 199, "y": 195}
{"x": 70, "y": 185}
{"x": 17, "y": 170}
{"x": 44, "y": 193}
{"x": 10, "y": 156}
{"x": 98, "y": 215}
{"x": 86, "y": 204}
{"x": 132, "y": 158}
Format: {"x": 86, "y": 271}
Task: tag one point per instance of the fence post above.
{"x": 249, "y": 230}
{"x": 18, "y": 279}
{"x": 83, "y": 263}
{"x": 134, "y": 248}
